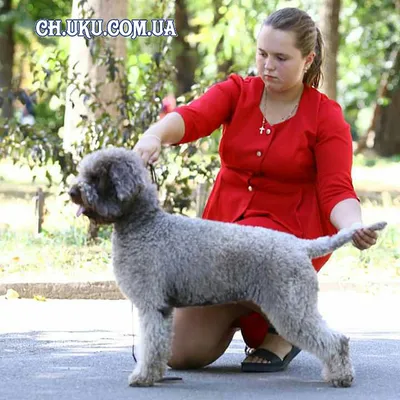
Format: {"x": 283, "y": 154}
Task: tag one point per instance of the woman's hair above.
{"x": 308, "y": 38}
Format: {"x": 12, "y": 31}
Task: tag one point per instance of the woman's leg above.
{"x": 202, "y": 334}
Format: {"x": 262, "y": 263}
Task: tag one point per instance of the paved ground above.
{"x": 80, "y": 349}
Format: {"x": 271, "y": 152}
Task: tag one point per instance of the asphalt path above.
{"x": 81, "y": 349}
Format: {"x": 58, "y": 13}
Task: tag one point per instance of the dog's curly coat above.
{"x": 162, "y": 261}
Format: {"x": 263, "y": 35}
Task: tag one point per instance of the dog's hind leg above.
{"x": 296, "y": 318}
{"x": 155, "y": 346}
{"x": 312, "y": 334}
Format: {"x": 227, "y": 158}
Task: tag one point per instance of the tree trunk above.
{"x": 329, "y": 25}
{"x": 222, "y": 66}
{"x": 6, "y": 58}
{"x": 93, "y": 231}
{"x": 81, "y": 58}
{"x": 368, "y": 139}
{"x": 186, "y": 57}
{"x": 387, "y": 138}
{"x": 383, "y": 130}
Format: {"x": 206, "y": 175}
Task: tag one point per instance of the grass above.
{"x": 28, "y": 258}
{"x": 381, "y": 263}
{"x": 371, "y": 174}
{"x": 61, "y": 252}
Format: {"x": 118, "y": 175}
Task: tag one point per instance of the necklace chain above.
{"x": 264, "y": 121}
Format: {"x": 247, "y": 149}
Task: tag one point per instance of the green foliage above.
{"x": 143, "y": 80}
{"x": 39, "y": 144}
{"x": 25, "y": 13}
{"x": 44, "y": 9}
{"x": 363, "y": 161}
{"x": 221, "y": 30}
{"x": 370, "y": 32}
{"x": 226, "y": 30}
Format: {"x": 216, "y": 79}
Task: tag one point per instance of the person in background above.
{"x": 168, "y": 105}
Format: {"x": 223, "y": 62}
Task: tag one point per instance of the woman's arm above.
{"x": 334, "y": 162}
{"x": 169, "y": 130}
{"x": 334, "y": 158}
{"x": 190, "y": 122}
{"x": 347, "y": 213}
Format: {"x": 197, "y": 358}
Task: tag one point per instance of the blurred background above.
{"x": 63, "y": 97}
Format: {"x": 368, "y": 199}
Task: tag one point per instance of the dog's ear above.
{"x": 126, "y": 181}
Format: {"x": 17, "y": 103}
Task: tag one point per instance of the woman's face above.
{"x": 279, "y": 63}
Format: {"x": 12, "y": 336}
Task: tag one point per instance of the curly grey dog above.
{"x": 162, "y": 261}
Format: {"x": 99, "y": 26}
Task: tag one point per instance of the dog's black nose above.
{"x": 74, "y": 192}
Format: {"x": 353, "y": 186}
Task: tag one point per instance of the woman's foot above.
{"x": 273, "y": 343}
{"x": 273, "y": 355}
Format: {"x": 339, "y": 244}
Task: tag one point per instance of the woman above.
{"x": 286, "y": 157}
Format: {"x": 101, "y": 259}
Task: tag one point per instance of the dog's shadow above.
{"x": 236, "y": 379}
{"x": 211, "y": 369}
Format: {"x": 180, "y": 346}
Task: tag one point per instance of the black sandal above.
{"x": 276, "y": 364}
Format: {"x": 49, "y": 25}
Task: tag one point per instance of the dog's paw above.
{"x": 344, "y": 381}
{"x": 339, "y": 379}
{"x": 138, "y": 379}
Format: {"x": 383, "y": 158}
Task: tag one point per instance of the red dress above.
{"x": 287, "y": 177}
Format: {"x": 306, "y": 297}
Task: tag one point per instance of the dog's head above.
{"x": 109, "y": 180}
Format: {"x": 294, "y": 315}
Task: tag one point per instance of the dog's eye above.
{"x": 94, "y": 179}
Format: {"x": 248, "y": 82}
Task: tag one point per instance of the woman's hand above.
{"x": 149, "y": 148}
{"x": 364, "y": 238}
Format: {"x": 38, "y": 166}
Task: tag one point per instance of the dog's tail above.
{"x": 324, "y": 245}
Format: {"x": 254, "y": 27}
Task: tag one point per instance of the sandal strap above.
{"x": 249, "y": 350}
{"x": 266, "y": 355}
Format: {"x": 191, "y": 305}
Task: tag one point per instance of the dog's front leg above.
{"x": 155, "y": 346}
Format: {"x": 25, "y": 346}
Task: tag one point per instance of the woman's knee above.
{"x": 186, "y": 361}
{"x": 200, "y": 336}
{"x": 206, "y": 352}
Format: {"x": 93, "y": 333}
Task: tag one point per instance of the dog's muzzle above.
{"x": 75, "y": 194}
{"x": 76, "y": 197}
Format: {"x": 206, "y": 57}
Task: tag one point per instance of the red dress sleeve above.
{"x": 334, "y": 157}
{"x": 208, "y": 112}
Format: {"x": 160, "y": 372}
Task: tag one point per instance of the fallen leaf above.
{"x": 12, "y": 294}
{"x": 39, "y": 298}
